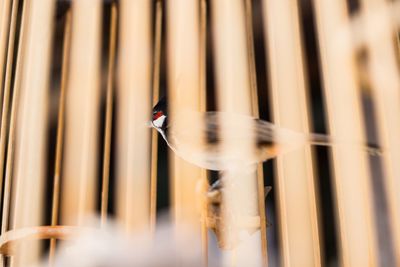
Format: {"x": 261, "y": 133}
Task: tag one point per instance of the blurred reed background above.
{"x": 77, "y": 84}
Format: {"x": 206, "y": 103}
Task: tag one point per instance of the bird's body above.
{"x": 200, "y": 138}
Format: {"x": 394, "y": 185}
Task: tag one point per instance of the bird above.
{"x": 210, "y": 153}
{"x": 200, "y": 138}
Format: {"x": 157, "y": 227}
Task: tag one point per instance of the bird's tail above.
{"x": 327, "y": 140}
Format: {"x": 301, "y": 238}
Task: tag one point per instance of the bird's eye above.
{"x": 157, "y": 115}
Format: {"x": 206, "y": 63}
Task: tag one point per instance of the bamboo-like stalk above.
{"x": 385, "y": 85}
{"x": 156, "y": 95}
{"x": 60, "y": 132}
{"x": 10, "y": 240}
{"x": 82, "y": 114}
{"x": 31, "y": 132}
{"x": 12, "y": 127}
{"x": 234, "y": 95}
{"x": 255, "y": 113}
{"x": 351, "y": 180}
{"x": 109, "y": 110}
{"x": 184, "y": 93}
{"x": 7, "y": 90}
{"x": 4, "y": 31}
{"x": 13, "y": 117}
{"x": 300, "y": 241}
{"x": 133, "y": 113}
{"x": 203, "y": 100}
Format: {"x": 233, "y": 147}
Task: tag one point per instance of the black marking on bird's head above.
{"x": 160, "y": 114}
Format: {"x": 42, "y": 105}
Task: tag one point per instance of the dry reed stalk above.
{"x": 60, "y": 131}
{"x": 10, "y": 240}
{"x": 12, "y": 128}
{"x": 109, "y": 112}
{"x": 255, "y": 113}
{"x": 133, "y": 112}
{"x": 351, "y": 179}
{"x": 203, "y": 107}
{"x": 300, "y": 241}
{"x": 32, "y": 127}
{"x": 234, "y": 95}
{"x": 385, "y": 86}
{"x": 7, "y": 91}
{"x": 184, "y": 94}
{"x": 82, "y": 114}
{"x": 4, "y": 32}
{"x": 156, "y": 95}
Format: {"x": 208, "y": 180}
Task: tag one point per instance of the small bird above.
{"x": 200, "y": 138}
{"x": 269, "y": 139}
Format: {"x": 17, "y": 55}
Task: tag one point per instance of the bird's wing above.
{"x": 208, "y": 127}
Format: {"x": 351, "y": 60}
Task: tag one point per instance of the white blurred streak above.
{"x": 184, "y": 94}
{"x": 31, "y": 129}
{"x": 351, "y": 179}
{"x": 82, "y": 113}
{"x": 385, "y": 85}
{"x": 111, "y": 246}
{"x": 233, "y": 91}
{"x": 300, "y": 241}
{"x": 133, "y": 110}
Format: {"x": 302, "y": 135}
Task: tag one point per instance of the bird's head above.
{"x": 160, "y": 115}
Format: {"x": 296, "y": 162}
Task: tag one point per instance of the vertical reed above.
{"x": 385, "y": 84}
{"x": 133, "y": 113}
{"x": 60, "y": 131}
{"x": 353, "y": 194}
{"x": 31, "y": 127}
{"x": 255, "y": 113}
{"x": 234, "y": 95}
{"x": 109, "y": 113}
{"x": 12, "y": 128}
{"x": 7, "y": 89}
{"x": 82, "y": 114}
{"x": 184, "y": 93}
{"x": 300, "y": 241}
{"x": 203, "y": 106}
{"x": 4, "y": 32}
{"x": 156, "y": 95}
